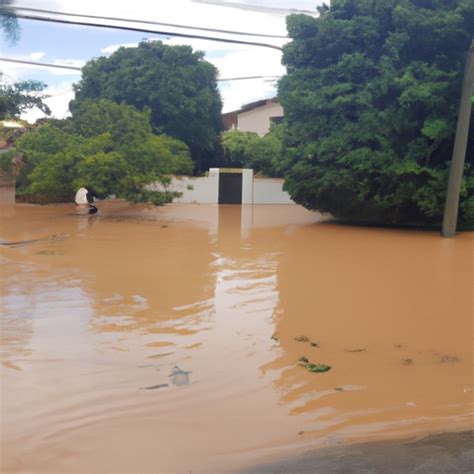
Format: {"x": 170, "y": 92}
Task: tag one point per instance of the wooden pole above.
{"x": 459, "y": 151}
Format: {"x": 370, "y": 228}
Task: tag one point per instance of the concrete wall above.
{"x": 270, "y": 191}
{"x": 205, "y": 190}
{"x": 258, "y": 120}
{"x": 202, "y": 190}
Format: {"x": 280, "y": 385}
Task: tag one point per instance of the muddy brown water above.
{"x": 167, "y": 339}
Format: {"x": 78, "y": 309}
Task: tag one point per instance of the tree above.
{"x": 176, "y": 84}
{"x": 106, "y": 147}
{"x": 8, "y": 21}
{"x": 249, "y": 150}
{"x": 370, "y": 101}
{"x": 16, "y": 98}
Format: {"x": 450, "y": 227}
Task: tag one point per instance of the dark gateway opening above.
{"x": 230, "y": 187}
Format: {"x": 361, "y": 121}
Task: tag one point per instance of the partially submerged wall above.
{"x": 205, "y": 190}
{"x": 270, "y": 191}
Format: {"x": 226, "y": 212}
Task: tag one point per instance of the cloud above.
{"x": 37, "y": 55}
{"x": 114, "y": 47}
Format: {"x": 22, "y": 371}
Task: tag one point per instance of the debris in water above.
{"x": 302, "y": 339}
{"x": 275, "y": 338}
{"x": 407, "y": 361}
{"x": 306, "y": 339}
{"x": 17, "y": 243}
{"x": 318, "y": 367}
{"x": 154, "y": 387}
{"x": 45, "y": 252}
{"x": 446, "y": 358}
{"x": 179, "y": 376}
{"x": 339, "y": 389}
{"x": 157, "y": 356}
{"x": 315, "y": 368}
{"x": 300, "y": 432}
{"x": 355, "y": 350}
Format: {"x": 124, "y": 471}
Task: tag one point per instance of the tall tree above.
{"x": 175, "y": 83}
{"x": 371, "y": 99}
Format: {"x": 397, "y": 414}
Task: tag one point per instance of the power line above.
{"x": 145, "y": 30}
{"x": 255, "y": 8}
{"x": 247, "y": 77}
{"x": 147, "y": 22}
{"x": 58, "y": 66}
{"x": 75, "y": 68}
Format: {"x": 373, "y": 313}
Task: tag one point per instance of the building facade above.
{"x": 254, "y": 117}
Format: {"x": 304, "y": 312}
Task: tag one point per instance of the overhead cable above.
{"x": 34, "y": 63}
{"x": 247, "y": 77}
{"x": 75, "y": 68}
{"x": 147, "y": 22}
{"x": 144, "y": 30}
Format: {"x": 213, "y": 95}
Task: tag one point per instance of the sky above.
{"x": 75, "y": 45}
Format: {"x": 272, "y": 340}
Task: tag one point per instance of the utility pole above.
{"x": 459, "y": 151}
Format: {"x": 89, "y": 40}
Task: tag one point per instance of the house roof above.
{"x": 251, "y": 106}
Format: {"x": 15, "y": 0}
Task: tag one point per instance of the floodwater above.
{"x": 167, "y": 339}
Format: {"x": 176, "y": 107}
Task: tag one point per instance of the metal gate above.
{"x": 230, "y": 187}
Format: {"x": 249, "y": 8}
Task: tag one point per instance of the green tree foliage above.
{"x": 176, "y": 84}
{"x": 8, "y": 21}
{"x": 371, "y": 100}
{"x": 249, "y": 150}
{"x": 16, "y": 98}
{"x": 106, "y": 147}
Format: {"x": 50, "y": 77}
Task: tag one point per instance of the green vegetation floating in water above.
{"x": 315, "y": 368}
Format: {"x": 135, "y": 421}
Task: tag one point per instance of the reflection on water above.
{"x": 158, "y": 339}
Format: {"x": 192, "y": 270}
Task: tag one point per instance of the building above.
{"x": 254, "y": 117}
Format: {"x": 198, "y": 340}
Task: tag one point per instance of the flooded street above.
{"x": 168, "y": 339}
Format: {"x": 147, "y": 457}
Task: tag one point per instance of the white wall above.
{"x": 258, "y": 120}
{"x": 270, "y": 191}
{"x": 203, "y": 190}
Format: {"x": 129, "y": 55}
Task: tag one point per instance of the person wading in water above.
{"x": 84, "y": 199}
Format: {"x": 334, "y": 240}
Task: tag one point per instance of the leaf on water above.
{"x": 318, "y": 367}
